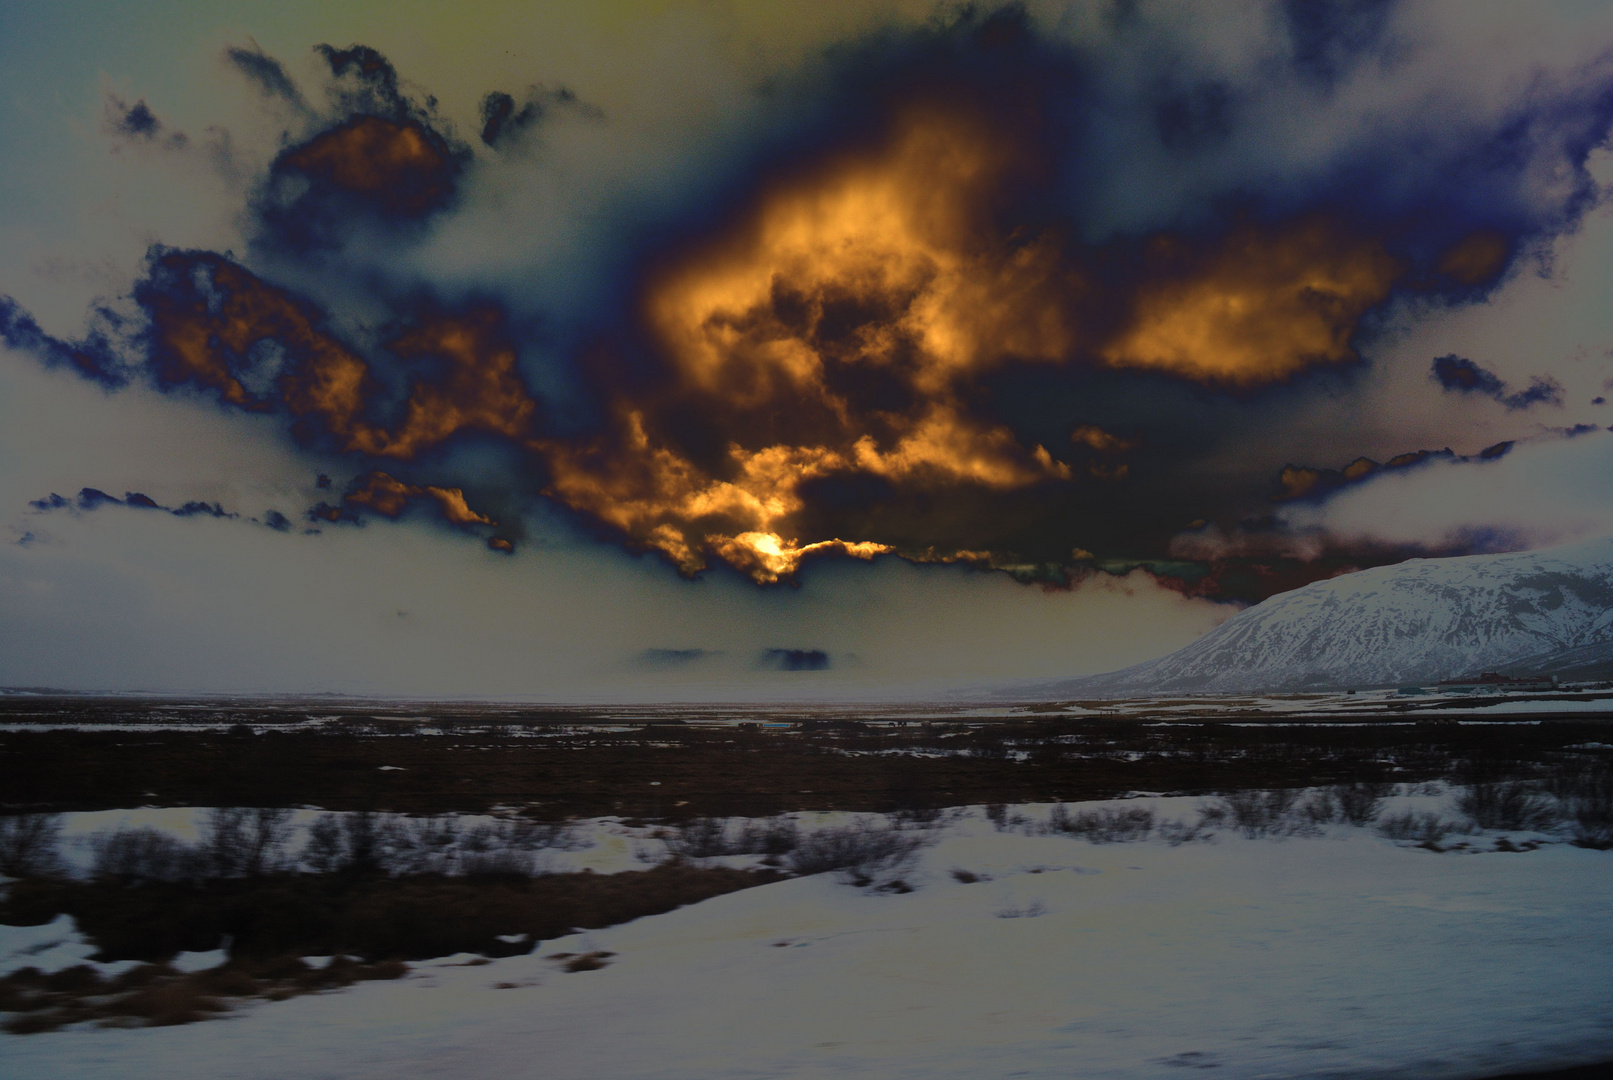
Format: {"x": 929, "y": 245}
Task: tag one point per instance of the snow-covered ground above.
{"x": 1339, "y": 955}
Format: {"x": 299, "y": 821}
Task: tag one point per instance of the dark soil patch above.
{"x": 371, "y": 924}
{"x": 659, "y": 773}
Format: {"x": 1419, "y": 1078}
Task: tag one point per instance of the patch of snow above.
{"x": 199, "y": 961}
{"x": 1340, "y": 955}
{"x": 49, "y": 947}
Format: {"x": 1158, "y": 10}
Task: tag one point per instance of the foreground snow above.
{"x": 1344, "y": 955}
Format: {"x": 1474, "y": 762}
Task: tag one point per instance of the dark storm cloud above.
{"x": 267, "y": 74}
{"x": 95, "y": 499}
{"x": 378, "y": 158}
{"x": 136, "y": 121}
{"x": 505, "y": 122}
{"x": 364, "y": 81}
{"x": 389, "y": 497}
{"x": 98, "y": 358}
{"x": 1331, "y": 37}
{"x": 794, "y": 660}
{"x": 902, "y": 323}
{"x": 138, "y": 124}
{"x": 1464, "y": 376}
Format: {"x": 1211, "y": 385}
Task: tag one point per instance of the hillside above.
{"x": 1419, "y": 621}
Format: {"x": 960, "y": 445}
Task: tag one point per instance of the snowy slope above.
{"x": 1418, "y": 621}
{"x": 1336, "y": 956}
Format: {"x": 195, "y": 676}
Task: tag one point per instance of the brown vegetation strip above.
{"x": 683, "y": 772}
{"x": 274, "y": 920}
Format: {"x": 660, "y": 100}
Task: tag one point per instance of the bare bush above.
{"x": 1425, "y": 828}
{"x": 367, "y": 842}
{"x": 244, "y": 841}
{"x": 1106, "y": 825}
{"x": 861, "y": 849}
{"x": 529, "y": 835}
{"x": 700, "y": 838}
{"x": 1359, "y": 803}
{"x": 323, "y": 853}
{"x": 268, "y": 829}
{"x": 1588, "y": 802}
{"x": 1259, "y": 813}
{"x": 144, "y": 854}
{"x": 1319, "y": 808}
{"x": 704, "y": 838}
{"x": 1507, "y": 804}
{"x": 223, "y": 840}
{"x": 775, "y": 836}
{"x": 1177, "y": 832}
{"x": 363, "y": 840}
{"x": 28, "y": 844}
{"x": 922, "y": 817}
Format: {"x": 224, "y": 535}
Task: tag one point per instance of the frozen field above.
{"x": 1337, "y": 955}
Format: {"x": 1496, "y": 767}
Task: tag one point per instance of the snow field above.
{"x": 1339, "y": 955}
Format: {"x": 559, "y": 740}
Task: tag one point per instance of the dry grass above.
{"x": 155, "y": 995}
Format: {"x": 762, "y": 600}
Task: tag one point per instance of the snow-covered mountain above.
{"x": 1418, "y": 621}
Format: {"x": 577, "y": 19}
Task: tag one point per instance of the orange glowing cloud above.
{"x": 842, "y": 324}
{"x": 839, "y": 331}
{"x": 401, "y": 165}
{"x": 1476, "y": 259}
{"x": 204, "y": 337}
{"x": 390, "y": 497}
{"x": 833, "y": 330}
{"x": 1259, "y": 307}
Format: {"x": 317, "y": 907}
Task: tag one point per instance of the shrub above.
{"x": 144, "y": 854}
{"x": 703, "y": 838}
{"x": 1511, "y": 805}
{"x": 244, "y": 842}
{"x": 323, "y": 853}
{"x": 1177, "y": 832}
{"x": 1257, "y": 813}
{"x": 357, "y": 843}
{"x": 1320, "y": 808}
{"x": 1103, "y": 826}
{"x": 700, "y": 838}
{"x": 861, "y": 849}
{"x": 1589, "y": 804}
{"x": 1425, "y": 827}
{"x": 1359, "y": 803}
{"x": 28, "y": 844}
{"x": 922, "y": 817}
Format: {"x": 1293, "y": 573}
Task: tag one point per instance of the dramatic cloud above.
{"x": 919, "y": 318}
{"x": 137, "y": 124}
{"x": 794, "y": 660}
{"x": 1551, "y": 489}
{"x": 1464, "y": 376}
{"x": 267, "y": 74}
{"x": 95, "y": 499}
{"x": 95, "y": 358}
{"x": 504, "y": 122}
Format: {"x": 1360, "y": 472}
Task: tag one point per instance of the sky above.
{"x": 678, "y": 350}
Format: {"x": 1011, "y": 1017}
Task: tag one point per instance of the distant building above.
{"x": 1493, "y": 682}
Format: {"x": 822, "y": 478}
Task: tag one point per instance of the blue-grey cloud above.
{"x": 1461, "y": 375}
{"x": 794, "y": 660}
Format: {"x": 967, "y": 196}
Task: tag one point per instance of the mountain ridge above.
{"x": 1414, "y": 622}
